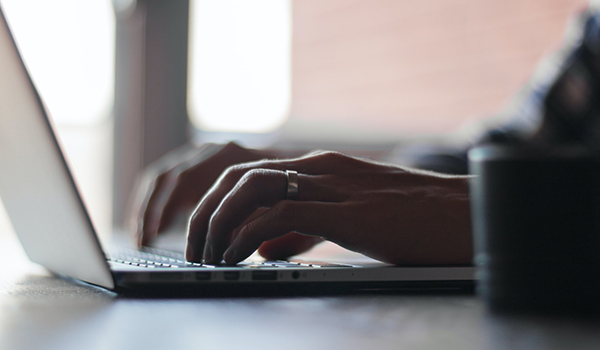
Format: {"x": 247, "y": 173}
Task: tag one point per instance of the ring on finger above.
{"x": 292, "y": 184}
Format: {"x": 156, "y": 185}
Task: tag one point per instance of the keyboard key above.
{"x": 155, "y": 258}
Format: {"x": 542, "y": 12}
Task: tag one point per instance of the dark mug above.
{"x": 536, "y": 228}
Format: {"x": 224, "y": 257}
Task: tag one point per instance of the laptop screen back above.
{"x": 36, "y": 186}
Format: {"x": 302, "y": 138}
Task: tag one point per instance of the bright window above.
{"x": 68, "y": 46}
{"x": 69, "y": 49}
{"x": 239, "y": 64}
{"x": 366, "y": 71}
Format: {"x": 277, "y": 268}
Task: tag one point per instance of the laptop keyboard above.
{"x": 163, "y": 259}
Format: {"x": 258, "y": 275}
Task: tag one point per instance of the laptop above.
{"x": 53, "y": 225}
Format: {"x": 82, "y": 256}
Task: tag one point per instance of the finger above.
{"x": 258, "y": 188}
{"x": 139, "y": 203}
{"x": 149, "y": 222}
{"x": 308, "y": 218}
{"x": 315, "y": 164}
{"x": 198, "y": 223}
{"x": 151, "y": 181}
{"x": 289, "y": 245}
{"x": 187, "y": 190}
{"x": 196, "y": 177}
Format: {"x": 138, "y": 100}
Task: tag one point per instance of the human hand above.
{"x": 392, "y": 214}
{"x": 172, "y": 187}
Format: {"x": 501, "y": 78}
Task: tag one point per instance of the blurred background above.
{"x": 125, "y": 81}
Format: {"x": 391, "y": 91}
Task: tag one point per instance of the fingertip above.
{"x": 138, "y": 241}
{"x": 144, "y": 239}
{"x": 137, "y": 234}
{"x": 191, "y": 224}
{"x": 208, "y": 253}
{"x": 189, "y": 253}
{"x": 148, "y": 232}
{"x": 229, "y": 256}
{"x": 146, "y": 235}
{"x": 192, "y": 251}
{"x": 163, "y": 225}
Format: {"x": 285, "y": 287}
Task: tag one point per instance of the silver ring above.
{"x": 292, "y": 184}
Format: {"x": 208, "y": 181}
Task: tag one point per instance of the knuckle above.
{"x": 162, "y": 177}
{"x": 228, "y": 149}
{"x": 232, "y": 173}
{"x": 173, "y": 173}
{"x": 179, "y": 182}
{"x": 251, "y": 181}
{"x": 185, "y": 169}
{"x": 255, "y": 181}
{"x": 253, "y": 176}
{"x": 158, "y": 182}
{"x": 333, "y": 156}
{"x": 158, "y": 167}
{"x": 231, "y": 146}
{"x": 315, "y": 153}
{"x": 181, "y": 178}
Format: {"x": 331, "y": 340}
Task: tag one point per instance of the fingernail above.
{"x": 208, "y": 252}
{"x": 229, "y": 254}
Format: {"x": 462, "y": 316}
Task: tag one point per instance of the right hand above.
{"x": 174, "y": 185}
{"x": 390, "y": 213}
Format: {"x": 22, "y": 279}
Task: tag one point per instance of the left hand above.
{"x": 392, "y": 214}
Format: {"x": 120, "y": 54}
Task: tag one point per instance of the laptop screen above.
{"x": 36, "y": 186}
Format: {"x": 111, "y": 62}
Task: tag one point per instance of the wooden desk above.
{"x": 38, "y": 311}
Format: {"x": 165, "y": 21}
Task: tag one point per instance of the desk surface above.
{"x": 39, "y": 311}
